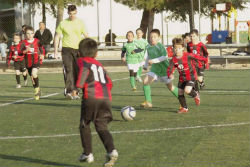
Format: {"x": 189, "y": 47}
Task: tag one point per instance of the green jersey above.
{"x": 158, "y": 55}
{"x": 72, "y": 32}
{"x": 141, "y": 43}
{"x": 128, "y": 48}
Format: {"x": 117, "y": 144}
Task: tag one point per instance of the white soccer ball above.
{"x": 128, "y": 113}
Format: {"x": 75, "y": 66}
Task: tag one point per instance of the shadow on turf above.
{"x": 37, "y": 161}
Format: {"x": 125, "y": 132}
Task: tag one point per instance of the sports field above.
{"x": 45, "y": 132}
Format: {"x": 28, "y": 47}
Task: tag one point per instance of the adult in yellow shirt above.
{"x": 72, "y": 31}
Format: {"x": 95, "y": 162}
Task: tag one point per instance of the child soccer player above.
{"x": 18, "y": 58}
{"x": 132, "y": 57}
{"x": 197, "y": 47}
{"x": 156, "y": 56}
{"x": 185, "y": 63}
{"x": 96, "y": 102}
{"x": 142, "y": 44}
{"x": 34, "y": 54}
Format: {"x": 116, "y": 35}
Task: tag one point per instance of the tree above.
{"x": 149, "y": 7}
{"x": 181, "y": 9}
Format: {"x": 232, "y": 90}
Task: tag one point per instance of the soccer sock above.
{"x": 175, "y": 92}
{"x": 36, "y": 80}
{"x": 139, "y": 72}
{"x": 196, "y": 86}
{"x": 193, "y": 93}
{"x": 107, "y": 140}
{"x": 132, "y": 82}
{"x": 85, "y": 133}
{"x": 147, "y": 93}
{"x": 25, "y": 77}
{"x": 182, "y": 101}
{"x": 18, "y": 79}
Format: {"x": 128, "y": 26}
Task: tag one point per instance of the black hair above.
{"x": 88, "y": 48}
{"x": 72, "y": 8}
{"x": 17, "y": 34}
{"x": 178, "y": 41}
{"x": 128, "y": 33}
{"x": 139, "y": 29}
{"x": 194, "y": 31}
{"x": 157, "y": 31}
{"x": 24, "y": 25}
{"x": 29, "y": 28}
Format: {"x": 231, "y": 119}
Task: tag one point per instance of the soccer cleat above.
{"x": 76, "y": 97}
{"x": 69, "y": 96}
{"x": 197, "y": 99}
{"x": 134, "y": 89}
{"x": 182, "y": 110}
{"x": 25, "y": 82}
{"x": 202, "y": 85}
{"x": 111, "y": 158}
{"x": 86, "y": 158}
{"x": 146, "y": 104}
{"x": 138, "y": 79}
{"x": 37, "y": 93}
{"x": 18, "y": 86}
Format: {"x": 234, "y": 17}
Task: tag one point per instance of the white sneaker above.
{"x": 111, "y": 158}
{"x": 26, "y": 82}
{"x": 69, "y": 96}
{"x": 18, "y": 86}
{"x": 76, "y": 97}
{"x": 139, "y": 79}
{"x": 88, "y": 158}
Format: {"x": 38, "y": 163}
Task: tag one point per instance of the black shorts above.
{"x": 20, "y": 65}
{"x": 96, "y": 110}
{"x": 182, "y": 85}
{"x": 200, "y": 71}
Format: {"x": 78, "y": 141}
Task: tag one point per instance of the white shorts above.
{"x": 134, "y": 67}
{"x": 164, "y": 79}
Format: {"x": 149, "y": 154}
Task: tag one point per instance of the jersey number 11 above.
{"x": 96, "y": 70}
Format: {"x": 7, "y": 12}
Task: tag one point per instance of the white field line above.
{"x": 130, "y": 131}
{"x": 49, "y": 95}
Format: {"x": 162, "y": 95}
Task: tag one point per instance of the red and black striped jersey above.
{"x": 93, "y": 79}
{"x": 33, "y": 55}
{"x": 14, "y": 50}
{"x": 201, "y": 50}
{"x": 185, "y": 66}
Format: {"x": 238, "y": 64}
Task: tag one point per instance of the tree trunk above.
{"x": 191, "y": 16}
{"x": 150, "y": 21}
{"x": 59, "y": 15}
{"x": 144, "y": 22}
{"x": 44, "y": 12}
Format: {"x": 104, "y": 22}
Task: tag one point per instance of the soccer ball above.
{"x": 128, "y": 113}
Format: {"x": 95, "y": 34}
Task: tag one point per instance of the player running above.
{"x": 185, "y": 64}
{"x": 156, "y": 56}
{"x": 19, "y": 63}
{"x": 197, "y": 47}
{"x": 131, "y": 51}
{"x": 34, "y": 54}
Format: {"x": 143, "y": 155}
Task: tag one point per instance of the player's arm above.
{"x": 56, "y": 43}
{"x": 109, "y": 81}
{"x": 9, "y": 57}
{"x": 146, "y": 58}
{"x": 197, "y": 57}
{"x": 170, "y": 69}
{"x": 123, "y": 54}
{"x": 205, "y": 54}
{"x": 82, "y": 75}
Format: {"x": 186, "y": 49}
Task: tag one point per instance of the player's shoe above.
{"x": 18, "y": 86}
{"x": 182, "y": 110}
{"x": 197, "y": 99}
{"x": 111, "y": 158}
{"x": 202, "y": 85}
{"x": 146, "y": 104}
{"x": 139, "y": 79}
{"x": 26, "y": 82}
{"x": 37, "y": 93}
{"x": 76, "y": 97}
{"x": 134, "y": 89}
{"x": 69, "y": 96}
{"x": 86, "y": 158}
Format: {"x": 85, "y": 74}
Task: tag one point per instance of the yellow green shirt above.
{"x": 72, "y": 32}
